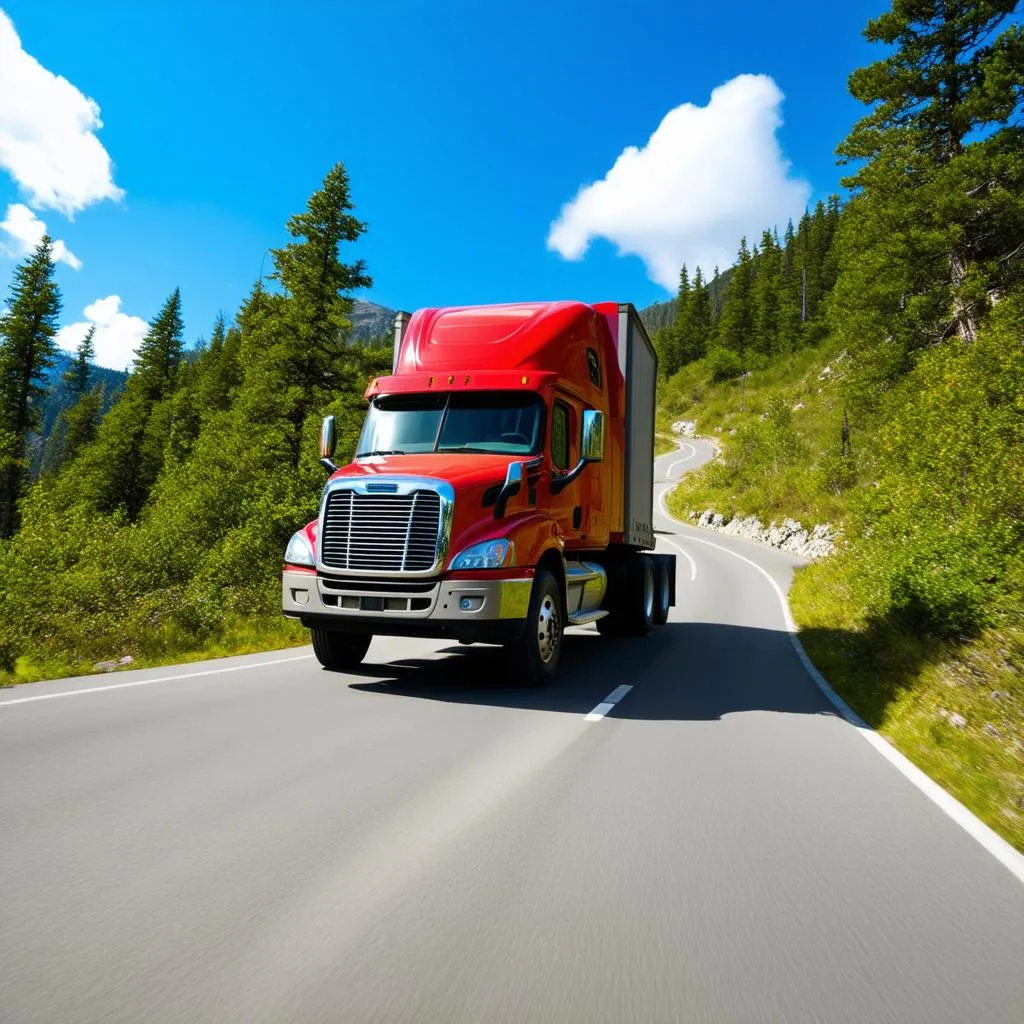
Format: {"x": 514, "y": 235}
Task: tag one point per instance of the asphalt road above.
{"x": 423, "y": 842}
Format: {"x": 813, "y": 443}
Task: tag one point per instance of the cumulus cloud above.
{"x": 24, "y": 231}
{"x": 117, "y": 334}
{"x": 707, "y": 176}
{"x": 47, "y": 133}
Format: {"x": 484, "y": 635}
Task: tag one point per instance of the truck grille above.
{"x": 381, "y": 532}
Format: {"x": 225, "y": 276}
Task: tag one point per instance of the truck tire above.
{"x": 632, "y": 612}
{"x": 662, "y": 591}
{"x": 535, "y": 655}
{"x": 339, "y": 651}
{"x": 641, "y": 583}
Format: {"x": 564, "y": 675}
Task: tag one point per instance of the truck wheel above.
{"x": 641, "y": 595}
{"x": 662, "y": 591}
{"x": 536, "y": 654}
{"x": 633, "y": 611}
{"x": 339, "y": 651}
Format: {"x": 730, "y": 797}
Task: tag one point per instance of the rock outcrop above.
{"x": 789, "y": 535}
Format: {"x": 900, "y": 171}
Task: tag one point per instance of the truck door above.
{"x": 564, "y": 451}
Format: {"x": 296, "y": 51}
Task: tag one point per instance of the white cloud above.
{"x": 24, "y": 231}
{"x": 47, "y": 127}
{"x": 707, "y": 176}
{"x": 117, "y": 334}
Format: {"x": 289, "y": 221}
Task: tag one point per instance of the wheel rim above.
{"x": 548, "y": 632}
{"x": 649, "y": 590}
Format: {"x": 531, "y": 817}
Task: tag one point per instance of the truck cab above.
{"x": 501, "y": 490}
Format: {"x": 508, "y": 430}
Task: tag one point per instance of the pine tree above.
{"x": 676, "y": 339}
{"x": 938, "y": 205}
{"x": 295, "y": 347}
{"x": 118, "y": 470}
{"x": 159, "y": 355}
{"x": 767, "y": 302}
{"x": 218, "y": 372}
{"x": 736, "y": 326}
{"x": 76, "y": 380}
{"x": 27, "y": 351}
{"x": 700, "y": 318}
{"x": 82, "y": 422}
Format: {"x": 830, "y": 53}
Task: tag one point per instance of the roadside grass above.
{"x": 239, "y": 636}
{"x": 780, "y": 431}
{"x": 954, "y": 706}
{"x": 664, "y": 440}
{"x": 910, "y": 687}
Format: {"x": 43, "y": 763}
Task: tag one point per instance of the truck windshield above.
{"x": 499, "y": 422}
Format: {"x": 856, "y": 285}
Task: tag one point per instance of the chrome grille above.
{"x": 381, "y": 532}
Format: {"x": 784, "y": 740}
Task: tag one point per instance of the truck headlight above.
{"x": 298, "y": 551}
{"x": 491, "y": 554}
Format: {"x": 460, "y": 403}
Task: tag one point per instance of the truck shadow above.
{"x": 681, "y": 671}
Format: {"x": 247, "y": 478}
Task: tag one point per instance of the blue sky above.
{"x": 465, "y": 129}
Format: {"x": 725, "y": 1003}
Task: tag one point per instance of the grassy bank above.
{"x": 954, "y": 707}
{"x": 243, "y": 636}
{"x": 918, "y": 619}
{"x": 781, "y": 432}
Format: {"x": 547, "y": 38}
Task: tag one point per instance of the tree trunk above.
{"x": 966, "y": 323}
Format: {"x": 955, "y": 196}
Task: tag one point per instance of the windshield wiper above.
{"x": 469, "y": 448}
{"x": 382, "y": 451}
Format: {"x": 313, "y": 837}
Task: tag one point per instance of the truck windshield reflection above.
{"x": 494, "y": 422}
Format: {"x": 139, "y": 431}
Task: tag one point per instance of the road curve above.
{"x": 255, "y": 839}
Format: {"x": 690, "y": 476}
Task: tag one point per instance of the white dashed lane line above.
{"x": 608, "y": 703}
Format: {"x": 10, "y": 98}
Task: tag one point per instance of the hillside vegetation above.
{"x": 892, "y": 404}
{"x": 157, "y": 532}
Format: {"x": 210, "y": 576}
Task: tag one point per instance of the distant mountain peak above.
{"x": 370, "y": 320}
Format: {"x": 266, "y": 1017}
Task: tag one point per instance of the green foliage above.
{"x": 27, "y": 350}
{"x": 119, "y": 468}
{"x": 155, "y": 370}
{"x": 724, "y": 364}
{"x": 933, "y": 231}
{"x": 943, "y": 528}
{"x": 77, "y": 377}
{"x": 164, "y": 534}
{"x": 770, "y": 302}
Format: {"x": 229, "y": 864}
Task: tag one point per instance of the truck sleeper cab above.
{"x": 501, "y": 490}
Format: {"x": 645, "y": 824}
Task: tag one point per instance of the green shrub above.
{"x": 723, "y": 364}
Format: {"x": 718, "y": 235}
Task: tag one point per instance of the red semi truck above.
{"x": 501, "y": 490}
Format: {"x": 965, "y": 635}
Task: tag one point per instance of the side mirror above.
{"x": 328, "y": 441}
{"x": 591, "y": 448}
{"x": 512, "y": 486}
{"x": 592, "y": 441}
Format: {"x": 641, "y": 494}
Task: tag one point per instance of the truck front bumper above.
{"x": 488, "y": 610}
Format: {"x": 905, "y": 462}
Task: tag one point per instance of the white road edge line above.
{"x": 679, "y": 462}
{"x": 150, "y": 682}
{"x": 608, "y": 703}
{"x": 686, "y": 555}
{"x": 665, "y": 512}
{"x": 966, "y": 819}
